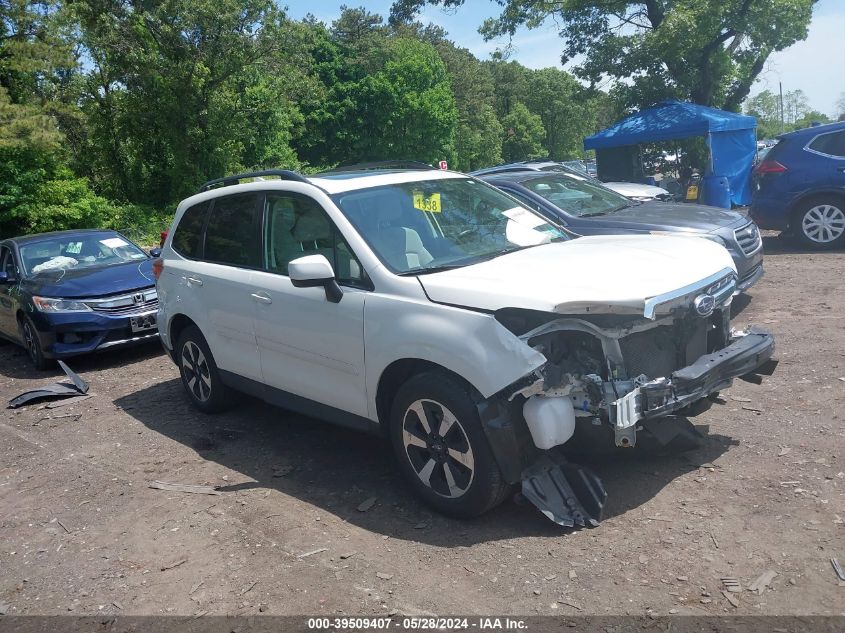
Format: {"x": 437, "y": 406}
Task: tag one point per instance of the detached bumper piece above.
{"x": 568, "y": 494}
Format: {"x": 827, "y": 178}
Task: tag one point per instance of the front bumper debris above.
{"x": 568, "y": 494}
{"x": 748, "y": 353}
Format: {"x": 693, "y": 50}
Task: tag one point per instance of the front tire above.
{"x": 820, "y": 223}
{"x": 32, "y": 345}
{"x": 441, "y": 447}
{"x": 199, "y": 373}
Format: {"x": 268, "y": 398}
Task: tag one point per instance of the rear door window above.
{"x": 187, "y": 238}
{"x": 232, "y": 234}
{"x": 832, "y": 144}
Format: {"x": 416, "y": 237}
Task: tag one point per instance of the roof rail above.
{"x": 227, "y": 181}
{"x": 381, "y": 164}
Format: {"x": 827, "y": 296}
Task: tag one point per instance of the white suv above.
{"x": 432, "y": 307}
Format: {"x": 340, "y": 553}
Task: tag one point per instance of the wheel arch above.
{"x": 177, "y": 325}
{"x": 396, "y": 374}
{"x": 796, "y": 205}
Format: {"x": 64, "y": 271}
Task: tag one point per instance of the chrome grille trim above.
{"x": 129, "y": 304}
{"x": 723, "y": 282}
{"x": 748, "y": 239}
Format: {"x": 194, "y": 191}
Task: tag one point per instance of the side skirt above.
{"x": 298, "y": 404}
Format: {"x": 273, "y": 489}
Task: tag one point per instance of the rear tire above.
{"x": 819, "y": 223}
{"x": 32, "y": 345}
{"x": 199, "y": 373}
{"x": 441, "y": 447}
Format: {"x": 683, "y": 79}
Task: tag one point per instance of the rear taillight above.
{"x": 163, "y": 237}
{"x": 769, "y": 167}
{"x": 158, "y": 266}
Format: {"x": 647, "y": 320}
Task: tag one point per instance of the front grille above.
{"x": 137, "y": 308}
{"x": 140, "y": 302}
{"x": 748, "y": 238}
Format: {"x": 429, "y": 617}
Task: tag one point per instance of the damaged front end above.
{"x": 617, "y": 372}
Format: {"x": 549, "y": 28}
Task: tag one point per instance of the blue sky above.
{"x": 814, "y": 65}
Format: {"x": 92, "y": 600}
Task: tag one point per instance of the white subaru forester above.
{"x": 433, "y": 308}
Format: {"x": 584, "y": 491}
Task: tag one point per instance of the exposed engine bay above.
{"x": 620, "y": 372}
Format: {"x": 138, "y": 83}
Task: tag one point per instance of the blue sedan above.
{"x": 73, "y": 292}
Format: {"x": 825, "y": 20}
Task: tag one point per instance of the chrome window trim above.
{"x": 653, "y": 303}
{"x": 807, "y": 147}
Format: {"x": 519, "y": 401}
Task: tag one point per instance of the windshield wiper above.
{"x": 432, "y": 269}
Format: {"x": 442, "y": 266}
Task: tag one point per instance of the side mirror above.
{"x": 312, "y": 271}
{"x": 155, "y": 252}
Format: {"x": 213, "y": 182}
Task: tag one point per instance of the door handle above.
{"x": 196, "y": 281}
{"x": 261, "y": 297}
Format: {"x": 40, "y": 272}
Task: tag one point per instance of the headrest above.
{"x": 310, "y": 227}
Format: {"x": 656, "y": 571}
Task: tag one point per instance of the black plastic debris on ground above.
{"x": 57, "y": 390}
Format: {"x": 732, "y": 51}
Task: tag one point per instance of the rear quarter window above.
{"x": 832, "y": 144}
{"x": 187, "y": 240}
{"x": 232, "y": 234}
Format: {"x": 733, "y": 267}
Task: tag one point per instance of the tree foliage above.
{"x": 706, "y": 52}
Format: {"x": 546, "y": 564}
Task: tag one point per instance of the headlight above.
{"x": 47, "y": 304}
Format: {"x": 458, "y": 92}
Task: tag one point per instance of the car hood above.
{"x": 636, "y": 189}
{"x": 96, "y": 281}
{"x": 607, "y": 274}
{"x": 669, "y": 216}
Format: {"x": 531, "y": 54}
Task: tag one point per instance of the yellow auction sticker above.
{"x": 430, "y": 203}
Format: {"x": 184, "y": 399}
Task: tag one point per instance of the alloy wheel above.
{"x": 823, "y": 223}
{"x": 438, "y": 448}
{"x": 29, "y": 342}
{"x": 196, "y": 372}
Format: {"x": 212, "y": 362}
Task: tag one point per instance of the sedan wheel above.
{"x": 822, "y": 224}
{"x": 32, "y": 344}
{"x": 437, "y": 447}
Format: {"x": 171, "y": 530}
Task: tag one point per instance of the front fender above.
{"x": 471, "y": 344}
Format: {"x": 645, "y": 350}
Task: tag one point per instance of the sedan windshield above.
{"x": 425, "y": 226}
{"x": 80, "y": 250}
{"x": 577, "y": 195}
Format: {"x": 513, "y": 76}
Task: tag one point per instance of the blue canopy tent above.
{"x": 731, "y": 138}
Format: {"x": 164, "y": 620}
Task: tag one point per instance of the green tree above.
{"x": 523, "y": 134}
{"x": 184, "y": 91}
{"x": 566, "y": 108}
{"x": 707, "y": 52}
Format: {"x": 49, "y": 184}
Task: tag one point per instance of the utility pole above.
{"x": 782, "y": 127}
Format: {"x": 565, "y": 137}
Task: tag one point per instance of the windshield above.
{"x": 430, "y": 225}
{"x": 81, "y": 250}
{"x": 577, "y": 195}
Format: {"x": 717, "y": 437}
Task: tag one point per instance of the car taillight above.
{"x": 769, "y": 167}
{"x": 158, "y": 266}
{"x": 163, "y": 237}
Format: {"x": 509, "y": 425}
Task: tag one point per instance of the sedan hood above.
{"x": 607, "y": 274}
{"x": 678, "y": 216}
{"x": 636, "y": 189}
{"x": 96, "y": 281}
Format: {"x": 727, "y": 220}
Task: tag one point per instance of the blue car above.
{"x": 800, "y": 186}
{"x": 74, "y": 292}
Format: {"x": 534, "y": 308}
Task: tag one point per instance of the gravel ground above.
{"x": 81, "y": 532}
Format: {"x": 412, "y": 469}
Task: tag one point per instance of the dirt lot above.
{"x": 81, "y": 531}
